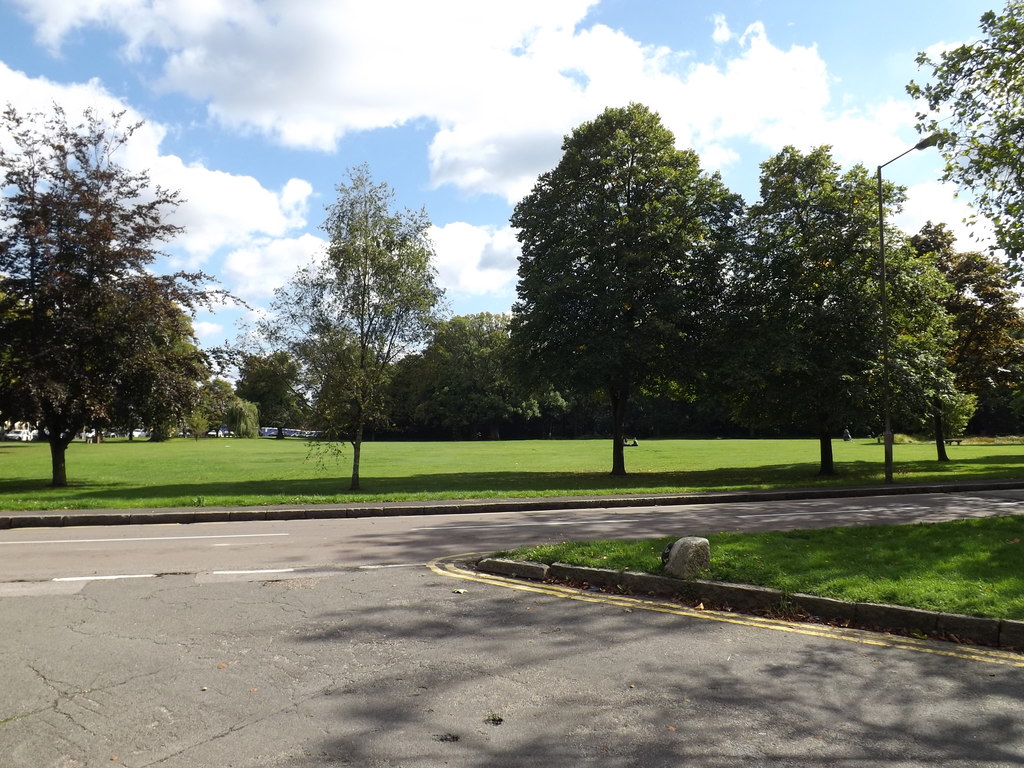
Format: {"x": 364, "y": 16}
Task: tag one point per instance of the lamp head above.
{"x": 929, "y": 141}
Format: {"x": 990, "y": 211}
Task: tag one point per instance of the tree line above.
{"x": 651, "y": 299}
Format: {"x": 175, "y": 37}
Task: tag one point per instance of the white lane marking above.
{"x": 107, "y": 578}
{"x": 149, "y": 538}
{"x": 527, "y": 525}
{"x": 262, "y": 570}
{"x": 395, "y": 565}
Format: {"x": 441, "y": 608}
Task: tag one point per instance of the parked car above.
{"x": 20, "y": 435}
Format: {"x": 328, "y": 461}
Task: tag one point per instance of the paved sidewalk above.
{"x": 74, "y": 517}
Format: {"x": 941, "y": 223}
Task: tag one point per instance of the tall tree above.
{"x": 372, "y": 299}
{"x": 159, "y": 390}
{"x": 802, "y": 340}
{"x": 243, "y": 418}
{"x": 986, "y": 352}
{"x": 974, "y": 100}
{"x": 272, "y": 382}
{"x": 216, "y": 399}
{"x": 466, "y": 377}
{"x": 619, "y": 273}
{"x": 78, "y": 236}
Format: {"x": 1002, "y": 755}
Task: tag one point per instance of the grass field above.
{"x": 215, "y": 472}
{"x": 969, "y": 567}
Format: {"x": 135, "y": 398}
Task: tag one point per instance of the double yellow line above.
{"x": 448, "y": 566}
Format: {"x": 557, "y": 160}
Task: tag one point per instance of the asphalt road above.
{"x": 362, "y": 656}
{"x": 42, "y": 554}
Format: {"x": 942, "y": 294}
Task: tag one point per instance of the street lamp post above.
{"x": 930, "y": 141}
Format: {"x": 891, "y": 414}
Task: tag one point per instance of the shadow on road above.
{"x": 492, "y": 678}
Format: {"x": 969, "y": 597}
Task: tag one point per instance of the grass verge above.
{"x": 970, "y": 567}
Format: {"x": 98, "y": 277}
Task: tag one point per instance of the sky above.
{"x": 256, "y": 109}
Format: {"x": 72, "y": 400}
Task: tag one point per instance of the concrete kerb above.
{"x": 58, "y": 518}
{"x": 744, "y": 597}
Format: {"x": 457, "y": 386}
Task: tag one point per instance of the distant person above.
{"x": 846, "y": 436}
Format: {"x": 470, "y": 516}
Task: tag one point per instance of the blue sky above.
{"x": 255, "y": 109}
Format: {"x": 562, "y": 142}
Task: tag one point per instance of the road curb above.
{"x": 186, "y": 515}
{"x": 1002, "y": 633}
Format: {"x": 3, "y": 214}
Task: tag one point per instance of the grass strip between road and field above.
{"x": 971, "y": 567}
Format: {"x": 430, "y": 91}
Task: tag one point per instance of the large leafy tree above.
{"x": 619, "y": 273}
{"x": 802, "y": 341}
{"x": 81, "y": 309}
{"x": 465, "y": 377}
{"x": 975, "y": 102}
{"x": 272, "y": 381}
{"x": 371, "y": 299}
{"x": 160, "y": 389}
{"x": 986, "y": 352}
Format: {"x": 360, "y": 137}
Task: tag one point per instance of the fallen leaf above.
{"x": 670, "y": 728}
{"x": 631, "y": 685}
{"x": 253, "y": 690}
{"x": 459, "y": 591}
{"x": 222, "y": 666}
{"x": 700, "y": 606}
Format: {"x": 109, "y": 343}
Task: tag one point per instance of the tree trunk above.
{"x": 357, "y": 447}
{"x": 57, "y": 465}
{"x": 618, "y": 398}
{"x": 59, "y": 434}
{"x": 828, "y": 466}
{"x": 940, "y": 430}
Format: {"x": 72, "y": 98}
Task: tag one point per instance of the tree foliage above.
{"x": 158, "y": 391}
{"x": 619, "y": 273}
{"x": 980, "y": 87}
{"x": 371, "y": 299}
{"x": 465, "y": 377}
{"x": 216, "y": 398}
{"x": 272, "y": 382}
{"x": 82, "y": 311}
{"x": 986, "y": 351}
{"x": 243, "y": 419}
{"x": 802, "y": 341}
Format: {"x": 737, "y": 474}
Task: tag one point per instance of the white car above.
{"x": 21, "y": 435}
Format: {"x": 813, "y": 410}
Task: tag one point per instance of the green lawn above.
{"x": 213, "y": 472}
{"x": 970, "y": 567}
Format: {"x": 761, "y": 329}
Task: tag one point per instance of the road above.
{"x": 361, "y": 656}
{"x": 42, "y": 554}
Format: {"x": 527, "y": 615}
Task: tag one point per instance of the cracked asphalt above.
{"x": 368, "y": 664}
{"x": 409, "y": 667}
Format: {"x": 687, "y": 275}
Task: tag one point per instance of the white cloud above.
{"x": 722, "y": 34}
{"x": 219, "y": 209}
{"x": 255, "y": 271}
{"x": 226, "y": 210}
{"x": 936, "y": 202}
{"x": 503, "y": 82}
{"x": 475, "y": 260}
{"x": 209, "y": 333}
